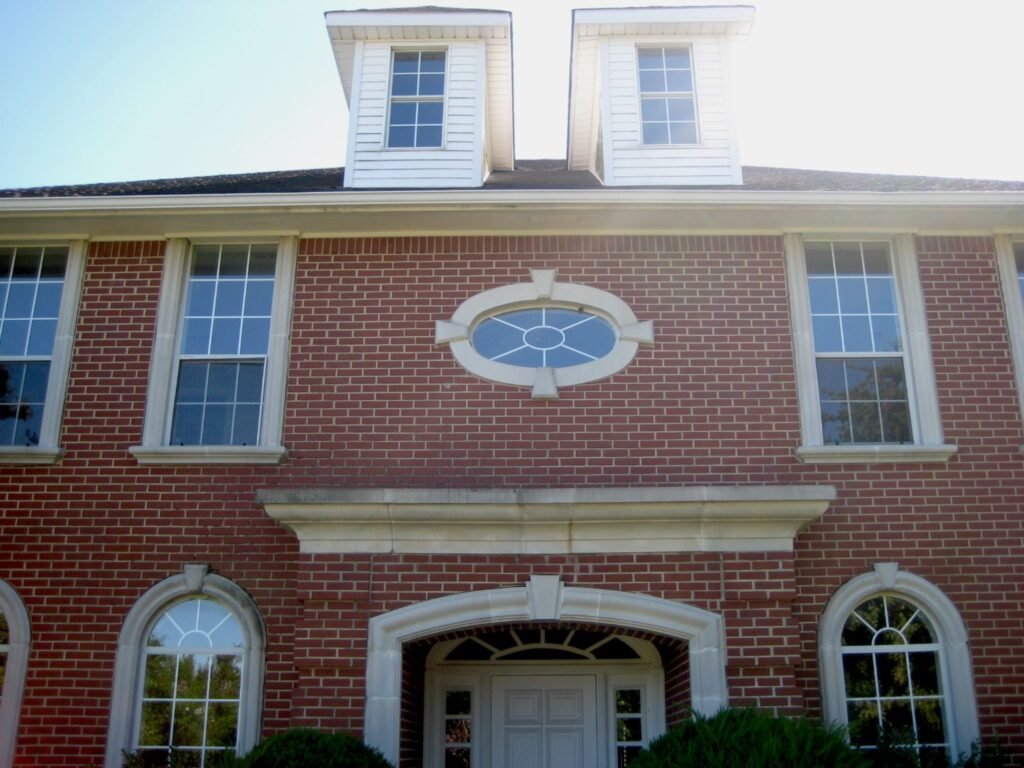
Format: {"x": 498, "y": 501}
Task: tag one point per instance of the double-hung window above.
{"x": 1011, "y": 270}
{"x": 864, "y": 368}
{"x": 667, "y": 108}
{"x": 218, "y": 371}
{"x": 39, "y": 288}
{"x": 416, "y": 115}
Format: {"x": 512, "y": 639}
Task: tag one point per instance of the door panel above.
{"x": 544, "y": 722}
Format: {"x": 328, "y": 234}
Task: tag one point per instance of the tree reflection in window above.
{"x": 193, "y": 683}
{"x": 892, "y": 674}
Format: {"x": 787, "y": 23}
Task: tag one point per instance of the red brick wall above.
{"x": 372, "y": 402}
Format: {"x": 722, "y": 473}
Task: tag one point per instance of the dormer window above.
{"x": 417, "y": 99}
{"x": 666, "y": 96}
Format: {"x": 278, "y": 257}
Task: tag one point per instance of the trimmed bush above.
{"x": 749, "y": 738}
{"x": 307, "y": 748}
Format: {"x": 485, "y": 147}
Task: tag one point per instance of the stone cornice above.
{"x": 548, "y": 521}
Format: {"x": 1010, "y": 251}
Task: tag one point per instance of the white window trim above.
{"x": 194, "y": 580}
{"x": 954, "y": 655}
{"x": 386, "y": 146}
{"x": 17, "y": 649}
{"x": 154, "y": 448}
{"x": 544, "y": 289}
{"x": 928, "y": 443}
{"x": 48, "y": 451}
{"x": 1014, "y": 305}
{"x": 659, "y": 42}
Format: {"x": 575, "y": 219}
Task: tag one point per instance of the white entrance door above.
{"x": 544, "y": 722}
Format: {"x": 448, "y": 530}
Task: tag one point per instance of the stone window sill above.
{"x": 875, "y": 454}
{"x": 207, "y": 454}
{"x": 28, "y": 455}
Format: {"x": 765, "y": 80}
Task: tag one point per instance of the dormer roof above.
{"x": 435, "y": 24}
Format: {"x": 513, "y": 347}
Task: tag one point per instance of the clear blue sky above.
{"x": 109, "y": 90}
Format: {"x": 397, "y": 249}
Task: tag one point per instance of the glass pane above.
{"x": 432, "y": 61}
{"x": 654, "y": 110}
{"x": 21, "y": 297}
{"x": 896, "y": 423}
{"x": 221, "y": 382}
{"x": 862, "y": 717}
{"x": 229, "y": 297}
{"x": 222, "y": 727}
{"x": 200, "y": 298}
{"x": 225, "y": 336}
{"x": 627, "y": 701}
{"x": 430, "y": 113}
{"x": 255, "y": 336}
{"x": 876, "y": 259}
{"x": 859, "y": 674}
{"x": 819, "y": 259}
{"x": 457, "y": 702}
{"x": 27, "y": 262}
{"x": 882, "y": 295}
{"x": 196, "y": 338}
{"x": 457, "y": 731}
{"x": 233, "y": 260}
{"x": 856, "y": 334}
{"x": 828, "y": 335}
{"x": 625, "y": 755}
{"x": 262, "y": 260}
{"x": 226, "y": 677}
{"x": 853, "y": 297}
{"x": 247, "y": 425}
{"x": 428, "y": 136}
{"x": 860, "y": 380}
{"x": 40, "y": 340}
{"x": 848, "y": 258}
{"x": 652, "y": 81}
{"x": 683, "y": 133}
{"x": 930, "y": 728}
{"x": 192, "y": 382}
{"x": 159, "y": 683}
{"x": 629, "y": 729}
{"x": 188, "y": 723}
{"x": 866, "y": 422}
{"x": 677, "y": 58}
{"x": 886, "y": 333}
{"x": 431, "y": 85}
{"x": 679, "y": 80}
{"x": 650, "y": 58}
{"x": 835, "y": 422}
{"x": 403, "y": 113}
{"x": 187, "y": 428}
{"x": 458, "y": 757}
{"x": 893, "y": 674}
{"x": 33, "y": 386}
{"x": 250, "y": 382}
{"x": 48, "y": 300}
{"x": 655, "y": 133}
{"x": 823, "y": 296}
{"x": 681, "y": 110}
{"x": 155, "y": 725}
{"x": 205, "y": 259}
{"x": 5, "y": 635}
{"x": 217, "y": 425}
{"x": 193, "y": 671}
{"x": 399, "y": 136}
{"x": 403, "y": 85}
{"x": 55, "y": 262}
{"x": 406, "y": 61}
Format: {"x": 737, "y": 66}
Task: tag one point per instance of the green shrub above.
{"x": 307, "y": 748}
{"x": 749, "y": 738}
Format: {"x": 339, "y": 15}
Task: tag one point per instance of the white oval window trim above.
{"x": 544, "y": 291}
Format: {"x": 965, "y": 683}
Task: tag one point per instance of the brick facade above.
{"x": 373, "y": 403}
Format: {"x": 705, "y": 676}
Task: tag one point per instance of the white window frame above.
{"x": 663, "y": 44}
{"x": 159, "y": 401}
{"x": 544, "y": 290}
{"x": 20, "y": 633}
{"x": 443, "y": 98}
{"x": 129, "y": 667}
{"x": 1014, "y": 306}
{"x": 48, "y": 451}
{"x": 923, "y": 397}
{"x": 957, "y": 677}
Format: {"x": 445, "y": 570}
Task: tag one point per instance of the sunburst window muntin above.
{"x": 549, "y": 371}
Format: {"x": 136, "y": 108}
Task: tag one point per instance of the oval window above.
{"x": 544, "y": 337}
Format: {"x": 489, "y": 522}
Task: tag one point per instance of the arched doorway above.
{"x": 544, "y": 600}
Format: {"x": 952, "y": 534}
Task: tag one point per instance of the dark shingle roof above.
{"x": 529, "y": 174}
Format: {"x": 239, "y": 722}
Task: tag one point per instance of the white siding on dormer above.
{"x": 459, "y": 163}
{"x": 628, "y": 161}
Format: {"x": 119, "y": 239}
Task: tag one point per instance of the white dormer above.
{"x": 648, "y": 101}
{"x": 429, "y": 93}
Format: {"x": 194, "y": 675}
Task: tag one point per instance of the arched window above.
{"x": 893, "y": 652}
{"x": 14, "y": 642}
{"x": 189, "y": 674}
